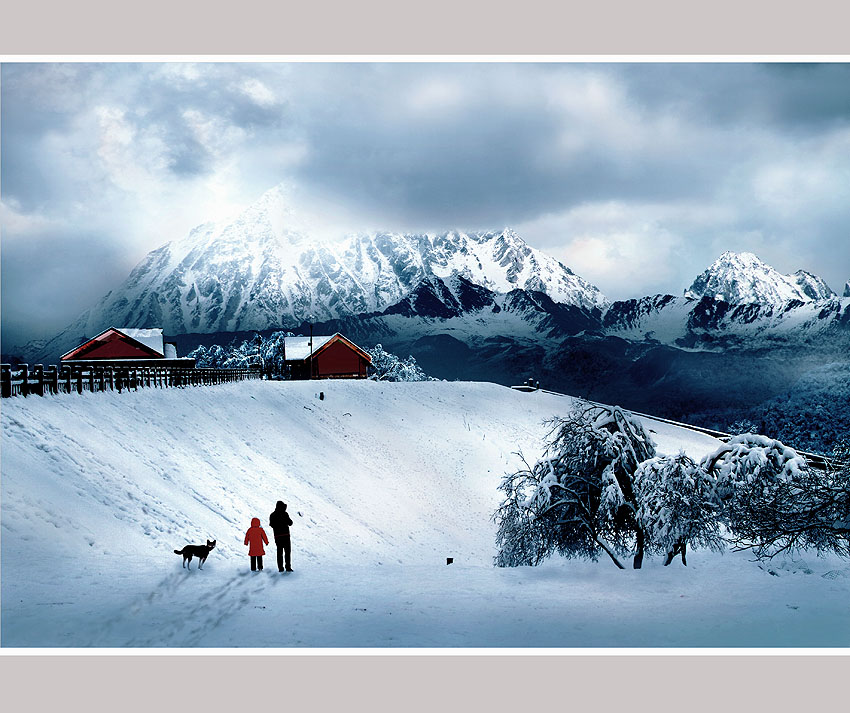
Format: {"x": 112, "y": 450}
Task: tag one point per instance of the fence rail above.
{"x": 23, "y": 380}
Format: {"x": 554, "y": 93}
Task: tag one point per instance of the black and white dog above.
{"x": 199, "y": 551}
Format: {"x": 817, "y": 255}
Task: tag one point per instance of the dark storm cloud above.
{"x": 117, "y": 158}
{"x": 483, "y": 158}
{"x": 789, "y": 96}
{"x": 48, "y": 277}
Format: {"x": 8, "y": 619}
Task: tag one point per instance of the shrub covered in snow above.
{"x": 600, "y": 488}
{"x": 773, "y": 501}
{"x": 388, "y": 367}
{"x": 678, "y": 505}
{"x": 579, "y": 499}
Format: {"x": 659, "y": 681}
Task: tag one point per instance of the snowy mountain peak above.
{"x": 847, "y": 289}
{"x": 744, "y": 278}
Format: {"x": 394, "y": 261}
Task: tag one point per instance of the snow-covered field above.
{"x": 384, "y": 482}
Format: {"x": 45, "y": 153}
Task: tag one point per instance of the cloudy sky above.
{"x": 636, "y": 176}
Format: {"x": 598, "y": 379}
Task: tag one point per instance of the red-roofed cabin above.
{"x": 127, "y": 347}
{"x": 333, "y": 357}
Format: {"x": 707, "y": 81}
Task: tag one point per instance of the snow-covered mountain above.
{"x": 742, "y": 277}
{"x": 716, "y": 324}
{"x": 739, "y": 300}
{"x": 265, "y": 269}
{"x": 847, "y": 289}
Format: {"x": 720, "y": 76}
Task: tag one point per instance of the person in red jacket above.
{"x": 254, "y": 538}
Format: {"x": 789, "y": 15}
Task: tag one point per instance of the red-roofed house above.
{"x": 333, "y": 357}
{"x": 127, "y": 347}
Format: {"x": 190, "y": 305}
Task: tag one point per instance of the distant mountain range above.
{"x": 428, "y": 293}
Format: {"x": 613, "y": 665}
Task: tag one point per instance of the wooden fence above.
{"x": 23, "y": 380}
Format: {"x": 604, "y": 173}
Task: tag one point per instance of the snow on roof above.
{"x": 299, "y": 347}
{"x": 149, "y": 337}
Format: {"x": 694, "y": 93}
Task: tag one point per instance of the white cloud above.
{"x": 258, "y": 92}
{"x": 626, "y": 250}
{"x": 435, "y": 96}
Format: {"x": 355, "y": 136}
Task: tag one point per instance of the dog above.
{"x": 199, "y": 551}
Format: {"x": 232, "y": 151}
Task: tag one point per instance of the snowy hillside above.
{"x": 384, "y": 481}
{"x": 743, "y": 278}
{"x": 266, "y": 269}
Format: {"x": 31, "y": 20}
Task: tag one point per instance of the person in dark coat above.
{"x": 254, "y": 538}
{"x": 280, "y": 521}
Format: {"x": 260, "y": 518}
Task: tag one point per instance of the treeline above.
{"x": 813, "y": 415}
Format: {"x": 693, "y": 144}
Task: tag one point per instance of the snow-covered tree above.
{"x": 677, "y": 505}
{"x": 743, "y": 425}
{"x": 267, "y": 354}
{"x": 578, "y": 500}
{"x": 388, "y": 367}
{"x": 773, "y": 501}
{"x": 211, "y": 357}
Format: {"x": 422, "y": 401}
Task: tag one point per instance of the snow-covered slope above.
{"x": 384, "y": 481}
{"x": 266, "y": 269}
{"x": 743, "y": 278}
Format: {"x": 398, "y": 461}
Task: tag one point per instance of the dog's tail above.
{"x": 179, "y": 552}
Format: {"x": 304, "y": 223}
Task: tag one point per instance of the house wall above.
{"x": 339, "y": 359}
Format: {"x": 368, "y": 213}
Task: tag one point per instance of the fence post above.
{"x": 6, "y": 380}
{"x": 54, "y": 379}
{"x": 25, "y": 379}
{"x": 91, "y": 379}
{"x": 79, "y": 381}
{"x": 39, "y": 377}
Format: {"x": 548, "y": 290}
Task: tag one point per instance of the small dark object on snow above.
{"x": 321, "y": 396}
{"x": 449, "y": 560}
